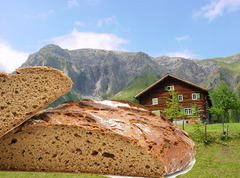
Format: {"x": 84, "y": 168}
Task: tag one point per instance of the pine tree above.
{"x": 173, "y": 110}
{"x": 224, "y": 100}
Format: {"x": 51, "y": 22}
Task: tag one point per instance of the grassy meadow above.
{"x": 215, "y": 156}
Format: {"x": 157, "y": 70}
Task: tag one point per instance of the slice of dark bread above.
{"x": 28, "y": 91}
{"x": 107, "y": 137}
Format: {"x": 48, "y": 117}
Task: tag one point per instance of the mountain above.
{"x": 139, "y": 83}
{"x": 96, "y": 72}
{"x": 101, "y": 74}
{"x": 224, "y": 69}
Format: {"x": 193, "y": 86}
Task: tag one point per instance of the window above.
{"x": 195, "y": 96}
{"x": 180, "y": 97}
{"x": 188, "y": 111}
{"x": 154, "y": 101}
{"x": 157, "y": 112}
{"x": 169, "y": 88}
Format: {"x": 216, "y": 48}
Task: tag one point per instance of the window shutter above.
{"x": 176, "y": 97}
{"x": 194, "y": 110}
{"x": 182, "y": 111}
{"x": 166, "y": 88}
{"x": 198, "y": 95}
{"x": 157, "y": 112}
{"x": 172, "y": 88}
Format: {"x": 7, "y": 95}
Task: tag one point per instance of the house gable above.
{"x": 188, "y": 94}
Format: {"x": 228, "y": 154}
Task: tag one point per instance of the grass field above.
{"x": 217, "y": 157}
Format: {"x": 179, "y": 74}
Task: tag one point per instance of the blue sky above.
{"x": 186, "y": 28}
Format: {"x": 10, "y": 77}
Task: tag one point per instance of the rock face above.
{"x": 185, "y": 68}
{"x": 96, "y": 72}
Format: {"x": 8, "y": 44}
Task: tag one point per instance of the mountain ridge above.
{"x": 98, "y": 72}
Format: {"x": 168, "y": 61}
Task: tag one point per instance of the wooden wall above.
{"x": 158, "y": 91}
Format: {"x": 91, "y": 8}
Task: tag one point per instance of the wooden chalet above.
{"x": 188, "y": 94}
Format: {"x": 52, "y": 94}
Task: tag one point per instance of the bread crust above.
{"x": 28, "y": 91}
{"x": 168, "y": 145}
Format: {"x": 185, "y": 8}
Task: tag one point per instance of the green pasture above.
{"x": 216, "y": 156}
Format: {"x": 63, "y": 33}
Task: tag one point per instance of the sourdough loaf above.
{"x": 108, "y": 137}
{"x": 28, "y": 91}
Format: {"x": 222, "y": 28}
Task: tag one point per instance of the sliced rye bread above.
{"x": 28, "y": 91}
{"x": 107, "y": 137}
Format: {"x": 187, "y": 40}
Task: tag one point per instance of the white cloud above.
{"x": 79, "y": 23}
{"x": 2, "y": 68}
{"x": 40, "y": 15}
{"x": 185, "y": 54}
{"x": 72, "y": 3}
{"x": 10, "y": 59}
{"x": 107, "y": 21}
{"x": 77, "y": 40}
{"x": 217, "y": 7}
{"x": 45, "y": 14}
{"x": 185, "y": 37}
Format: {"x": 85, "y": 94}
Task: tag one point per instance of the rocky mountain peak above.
{"x": 97, "y": 72}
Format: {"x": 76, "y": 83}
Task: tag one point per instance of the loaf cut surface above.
{"x": 108, "y": 137}
{"x": 28, "y": 91}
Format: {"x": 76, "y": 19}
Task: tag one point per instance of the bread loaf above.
{"x": 107, "y": 137}
{"x": 28, "y": 91}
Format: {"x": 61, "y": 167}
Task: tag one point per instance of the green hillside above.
{"x": 70, "y": 96}
{"x": 136, "y": 86}
{"x": 227, "y": 69}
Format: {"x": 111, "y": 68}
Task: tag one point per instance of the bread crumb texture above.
{"x": 92, "y": 137}
{"x": 28, "y": 91}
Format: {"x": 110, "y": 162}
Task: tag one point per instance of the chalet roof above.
{"x": 163, "y": 78}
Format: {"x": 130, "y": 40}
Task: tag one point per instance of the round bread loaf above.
{"x": 107, "y": 137}
{"x": 28, "y": 91}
